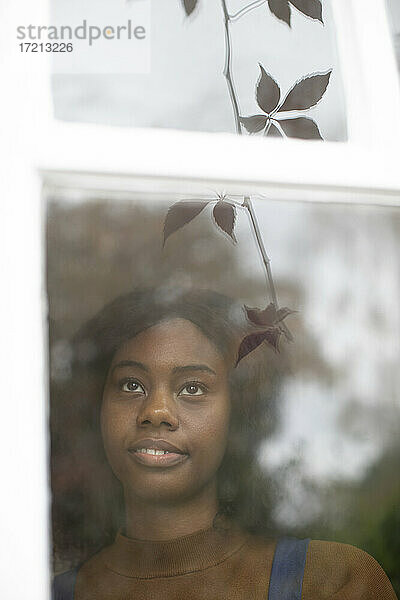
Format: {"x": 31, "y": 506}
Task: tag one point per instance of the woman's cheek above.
{"x": 114, "y": 429}
{"x": 213, "y": 435}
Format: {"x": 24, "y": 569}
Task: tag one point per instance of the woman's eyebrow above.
{"x": 130, "y": 363}
{"x": 193, "y": 368}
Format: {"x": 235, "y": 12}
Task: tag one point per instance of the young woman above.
{"x": 184, "y": 514}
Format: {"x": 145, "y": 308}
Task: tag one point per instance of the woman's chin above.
{"x": 170, "y": 485}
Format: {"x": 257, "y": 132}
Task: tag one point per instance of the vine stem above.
{"x": 246, "y": 9}
{"x": 228, "y": 69}
{"x": 247, "y": 204}
{"x": 267, "y": 263}
{"x": 235, "y": 105}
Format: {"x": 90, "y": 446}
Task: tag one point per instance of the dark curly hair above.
{"x": 87, "y": 507}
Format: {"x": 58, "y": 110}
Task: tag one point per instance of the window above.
{"x": 394, "y": 19}
{"x": 333, "y": 425}
{"x": 111, "y": 162}
{"x": 186, "y": 87}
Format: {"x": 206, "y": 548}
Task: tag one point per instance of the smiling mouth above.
{"x": 157, "y": 453}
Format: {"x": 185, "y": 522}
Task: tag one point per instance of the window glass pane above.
{"x": 185, "y": 87}
{"x": 324, "y": 437}
{"x": 394, "y": 19}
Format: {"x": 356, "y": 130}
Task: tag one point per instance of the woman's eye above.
{"x": 132, "y": 386}
{"x": 193, "y": 389}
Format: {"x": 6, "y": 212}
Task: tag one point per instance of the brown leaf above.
{"x": 307, "y": 92}
{"x": 310, "y": 8}
{"x": 282, "y": 313}
{"x": 268, "y": 92}
{"x": 271, "y": 318}
{"x": 302, "y": 127}
{"x": 264, "y": 317}
{"x": 273, "y": 131}
{"x": 255, "y": 123}
{"x": 253, "y": 340}
{"x": 181, "y": 213}
{"x": 281, "y": 9}
{"x": 189, "y": 6}
{"x": 225, "y": 215}
{"x": 273, "y": 337}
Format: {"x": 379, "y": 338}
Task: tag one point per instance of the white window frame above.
{"x": 40, "y": 151}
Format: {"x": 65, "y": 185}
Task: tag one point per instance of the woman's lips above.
{"x": 156, "y": 453}
{"x": 168, "y": 459}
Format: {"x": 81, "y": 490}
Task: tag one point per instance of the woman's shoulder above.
{"x": 343, "y": 571}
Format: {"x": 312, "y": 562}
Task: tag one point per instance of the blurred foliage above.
{"x": 364, "y": 513}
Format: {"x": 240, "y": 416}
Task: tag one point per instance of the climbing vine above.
{"x": 282, "y": 115}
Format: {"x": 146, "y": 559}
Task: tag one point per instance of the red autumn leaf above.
{"x": 266, "y": 317}
{"x": 180, "y": 214}
{"x": 253, "y": 340}
{"x": 271, "y": 318}
{"x": 273, "y": 337}
{"x": 282, "y": 313}
{"x": 225, "y": 216}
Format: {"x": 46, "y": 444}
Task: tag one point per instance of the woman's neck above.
{"x": 146, "y": 520}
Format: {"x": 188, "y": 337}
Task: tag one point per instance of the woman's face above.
{"x": 165, "y": 412}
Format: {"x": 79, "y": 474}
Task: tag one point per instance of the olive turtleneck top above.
{"x": 223, "y": 563}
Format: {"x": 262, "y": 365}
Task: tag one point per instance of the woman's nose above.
{"x": 158, "y": 410}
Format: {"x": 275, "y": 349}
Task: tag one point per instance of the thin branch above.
{"x": 267, "y": 128}
{"x": 228, "y": 69}
{"x": 246, "y": 202}
{"x": 246, "y": 9}
{"x": 267, "y": 263}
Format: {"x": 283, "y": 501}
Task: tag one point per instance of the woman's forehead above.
{"x": 172, "y": 340}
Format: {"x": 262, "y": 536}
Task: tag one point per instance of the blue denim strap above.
{"x": 63, "y": 585}
{"x": 287, "y": 571}
{"x": 285, "y": 582}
